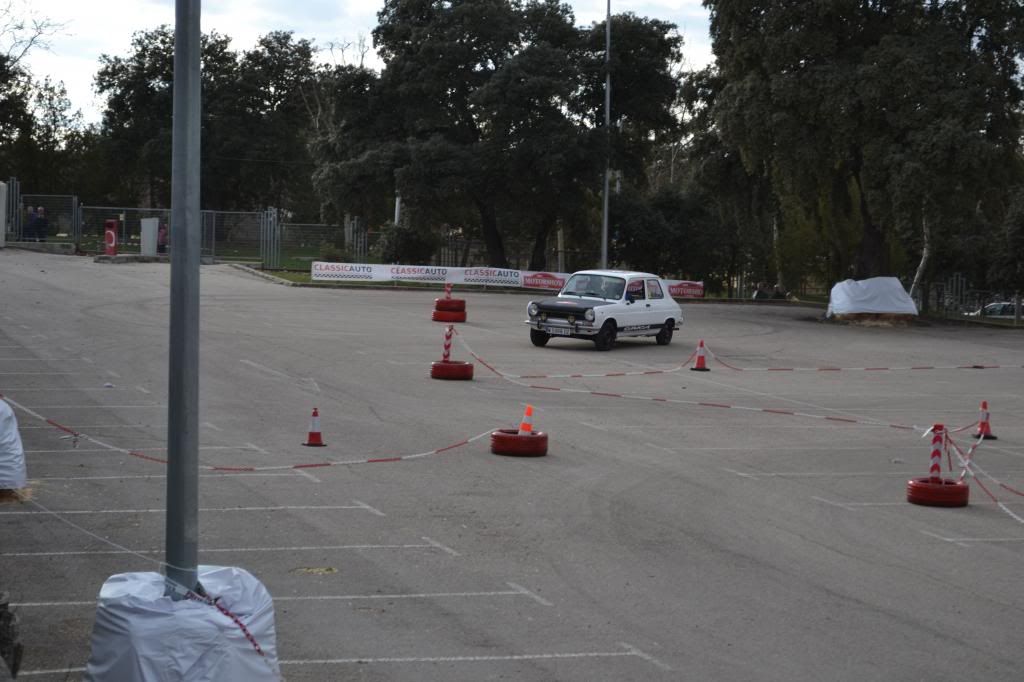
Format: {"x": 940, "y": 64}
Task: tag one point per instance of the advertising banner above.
{"x": 323, "y": 271}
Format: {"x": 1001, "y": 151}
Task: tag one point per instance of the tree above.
{"x": 486, "y": 116}
{"x": 868, "y": 117}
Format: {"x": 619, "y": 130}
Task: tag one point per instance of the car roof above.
{"x": 616, "y": 273}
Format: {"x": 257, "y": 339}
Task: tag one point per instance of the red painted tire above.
{"x": 509, "y": 442}
{"x": 448, "y": 316}
{"x": 949, "y": 493}
{"x": 454, "y": 305}
{"x": 451, "y": 369}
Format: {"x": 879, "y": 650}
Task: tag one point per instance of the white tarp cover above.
{"x": 12, "y": 455}
{"x": 142, "y": 636}
{"x": 875, "y": 295}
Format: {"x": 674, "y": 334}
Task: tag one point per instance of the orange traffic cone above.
{"x": 701, "y": 365}
{"x": 521, "y": 442}
{"x": 314, "y": 439}
{"x": 526, "y": 426}
{"x": 984, "y": 428}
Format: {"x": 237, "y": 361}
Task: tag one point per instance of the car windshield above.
{"x": 595, "y": 286}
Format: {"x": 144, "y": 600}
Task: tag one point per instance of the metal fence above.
{"x": 460, "y": 252}
{"x": 57, "y": 218}
{"x": 129, "y": 226}
{"x": 13, "y": 209}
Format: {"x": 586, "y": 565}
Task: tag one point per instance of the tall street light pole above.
{"x": 182, "y": 538}
{"x": 607, "y": 130}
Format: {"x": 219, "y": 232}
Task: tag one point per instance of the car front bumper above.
{"x": 563, "y": 328}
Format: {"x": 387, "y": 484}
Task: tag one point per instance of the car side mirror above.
{"x": 629, "y": 298}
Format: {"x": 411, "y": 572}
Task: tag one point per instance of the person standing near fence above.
{"x": 42, "y": 224}
{"x": 161, "y": 239}
{"x": 29, "y": 226}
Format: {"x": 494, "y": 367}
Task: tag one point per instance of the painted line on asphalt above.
{"x": 516, "y": 591}
{"x": 96, "y": 407}
{"x": 68, "y": 389}
{"x": 305, "y": 474}
{"x": 939, "y": 537}
{"x": 226, "y": 550}
{"x": 94, "y": 427}
{"x": 267, "y": 474}
{"x": 833, "y": 503}
{"x": 532, "y": 595}
{"x": 372, "y": 510}
{"x": 438, "y": 545}
{"x": 80, "y": 512}
{"x": 629, "y": 652}
{"x": 77, "y": 451}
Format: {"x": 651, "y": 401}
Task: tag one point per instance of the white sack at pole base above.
{"x": 879, "y": 295}
{"x": 140, "y": 635}
{"x": 12, "y": 455}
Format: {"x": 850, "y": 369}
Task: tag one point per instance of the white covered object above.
{"x": 875, "y": 295}
{"x": 12, "y": 455}
{"x": 142, "y": 636}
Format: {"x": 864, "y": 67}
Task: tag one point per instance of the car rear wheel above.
{"x": 664, "y": 337}
{"x": 605, "y": 338}
{"x": 539, "y": 338}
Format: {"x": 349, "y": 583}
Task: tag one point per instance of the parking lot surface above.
{"x": 746, "y": 523}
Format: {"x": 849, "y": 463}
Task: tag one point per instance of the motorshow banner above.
{"x": 526, "y": 279}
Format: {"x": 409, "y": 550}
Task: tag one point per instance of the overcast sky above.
{"x": 93, "y": 28}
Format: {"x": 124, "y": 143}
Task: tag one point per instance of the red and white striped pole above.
{"x": 447, "y": 290}
{"x": 446, "y": 356}
{"x": 938, "y": 440}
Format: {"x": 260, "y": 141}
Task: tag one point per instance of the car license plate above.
{"x": 557, "y": 331}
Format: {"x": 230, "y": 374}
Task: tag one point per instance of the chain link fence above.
{"x": 47, "y": 218}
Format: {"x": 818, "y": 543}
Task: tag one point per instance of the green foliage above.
{"x": 1007, "y": 269}
{"x": 333, "y": 253}
{"x": 405, "y": 243}
{"x": 869, "y": 121}
{"x": 486, "y": 117}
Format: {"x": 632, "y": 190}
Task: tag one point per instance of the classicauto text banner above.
{"x": 527, "y": 279}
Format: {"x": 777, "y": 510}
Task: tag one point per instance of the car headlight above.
{"x": 589, "y": 314}
{"x": 533, "y": 309}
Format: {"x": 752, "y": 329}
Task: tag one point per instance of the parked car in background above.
{"x": 603, "y": 305}
{"x": 1003, "y": 310}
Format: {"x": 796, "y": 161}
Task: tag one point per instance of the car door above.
{"x": 632, "y": 317}
{"x": 657, "y": 309}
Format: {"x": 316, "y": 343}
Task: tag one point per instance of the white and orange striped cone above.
{"x": 984, "y": 427}
{"x": 446, "y": 353}
{"x": 933, "y": 490}
{"x": 526, "y": 426}
{"x": 315, "y": 439}
{"x": 446, "y": 368}
{"x": 701, "y": 364}
{"x": 935, "y": 467}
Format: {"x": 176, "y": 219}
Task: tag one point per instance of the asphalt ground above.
{"x": 727, "y": 525}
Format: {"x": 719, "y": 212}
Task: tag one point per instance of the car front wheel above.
{"x": 539, "y": 338}
{"x": 664, "y": 336}
{"x": 605, "y": 338}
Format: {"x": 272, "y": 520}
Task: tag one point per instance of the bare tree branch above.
{"x": 23, "y": 30}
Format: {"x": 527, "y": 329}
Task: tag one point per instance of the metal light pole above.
{"x": 607, "y": 130}
{"x": 182, "y": 534}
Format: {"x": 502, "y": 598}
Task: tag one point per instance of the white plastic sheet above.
{"x": 882, "y": 295}
{"x": 12, "y": 455}
{"x": 142, "y": 636}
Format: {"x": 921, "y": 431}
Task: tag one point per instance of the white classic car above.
{"x": 602, "y": 305}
